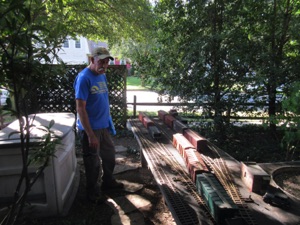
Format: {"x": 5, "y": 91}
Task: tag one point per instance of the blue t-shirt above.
{"x": 93, "y": 89}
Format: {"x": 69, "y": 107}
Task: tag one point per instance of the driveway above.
{"x": 145, "y": 97}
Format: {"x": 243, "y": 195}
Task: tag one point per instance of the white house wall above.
{"x": 73, "y": 55}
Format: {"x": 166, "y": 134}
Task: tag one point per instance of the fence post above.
{"x": 1, "y": 116}
{"x": 134, "y": 106}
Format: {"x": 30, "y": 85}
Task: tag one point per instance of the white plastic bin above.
{"x": 54, "y": 191}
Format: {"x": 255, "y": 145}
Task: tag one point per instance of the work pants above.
{"x": 98, "y": 163}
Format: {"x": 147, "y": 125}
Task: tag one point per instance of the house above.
{"x": 78, "y": 51}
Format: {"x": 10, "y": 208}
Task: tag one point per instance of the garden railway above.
{"x": 170, "y": 170}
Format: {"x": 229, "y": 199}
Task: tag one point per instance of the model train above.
{"x": 220, "y": 205}
{"x": 190, "y": 145}
{"x": 150, "y": 125}
{"x": 191, "y": 156}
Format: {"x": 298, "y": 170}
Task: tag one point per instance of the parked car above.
{"x": 4, "y": 95}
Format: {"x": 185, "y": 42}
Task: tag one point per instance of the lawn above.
{"x": 5, "y": 118}
{"x": 134, "y": 83}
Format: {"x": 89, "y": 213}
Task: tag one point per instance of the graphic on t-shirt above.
{"x": 101, "y": 88}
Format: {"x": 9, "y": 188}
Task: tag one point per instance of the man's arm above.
{"x": 84, "y": 119}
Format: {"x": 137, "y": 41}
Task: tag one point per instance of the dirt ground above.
{"x": 83, "y": 212}
{"x": 289, "y": 182}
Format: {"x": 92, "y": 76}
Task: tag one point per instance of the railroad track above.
{"x": 157, "y": 151}
{"x": 220, "y": 169}
{"x": 222, "y": 172}
{"x": 156, "y": 154}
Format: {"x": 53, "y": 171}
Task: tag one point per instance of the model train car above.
{"x": 190, "y": 145}
{"x": 168, "y": 120}
{"x": 216, "y": 198}
{"x": 150, "y": 125}
{"x": 155, "y": 132}
{"x": 147, "y": 122}
{"x": 179, "y": 127}
{"x": 141, "y": 116}
{"x": 199, "y": 142}
{"x": 181, "y": 143}
{"x": 195, "y": 163}
{"x": 255, "y": 178}
{"x": 173, "y": 112}
{"x": 192, "y": 157}
{"x": 162, "y": 114}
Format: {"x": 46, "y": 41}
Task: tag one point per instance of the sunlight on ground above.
{"x": 129, "y": 209}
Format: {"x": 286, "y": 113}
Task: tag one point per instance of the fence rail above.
{"x": 189, "y": 105}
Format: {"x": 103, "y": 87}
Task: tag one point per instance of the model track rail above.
{"x": 222, "y": 172}
{"x": 156, "y": 153}
{"x": 220, "y": 169}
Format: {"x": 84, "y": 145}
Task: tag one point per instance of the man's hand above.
{"x": 93, "y": 141}
{"x": 111, "y": 126}
{"x": 83, "y": 116}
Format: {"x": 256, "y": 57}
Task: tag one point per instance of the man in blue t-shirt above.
{"x": 94, "y": 124}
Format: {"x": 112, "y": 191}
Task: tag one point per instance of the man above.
{"x": 94, "y": 123}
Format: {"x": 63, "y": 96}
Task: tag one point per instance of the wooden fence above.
{"x": 60, "y": 96}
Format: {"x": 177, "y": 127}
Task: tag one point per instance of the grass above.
{"x": 134, "y": 83}
{"x": 5, "y": 117}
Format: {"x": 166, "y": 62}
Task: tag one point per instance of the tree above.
{"x": 291, "y": 121}
{"x": 198, "y": 53}
{"x": 272, "y": 30}
{"x": 25, "y": 44}
{"x": 109, "y": 20}
{"x": 222, "y": 54}
{"x": 31, "y": 32}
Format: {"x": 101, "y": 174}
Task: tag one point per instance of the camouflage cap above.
{"x": 102, "y": 53}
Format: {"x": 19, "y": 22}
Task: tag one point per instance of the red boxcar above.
{"x": 147, "y": 122}
{"x": 195, "y": 163}
{"x": 199, "y": 142}
{"x": 181, "y": 143}
{"x": 161, "y": 114}
{"x": 141, "y": 116}
{"x": 256, "y": 179}
{"x": 169, "y": 120}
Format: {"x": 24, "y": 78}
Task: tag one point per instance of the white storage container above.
{"x": 54, "y": 191}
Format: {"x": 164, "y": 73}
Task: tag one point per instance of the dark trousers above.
{"x": 98, "y": 162}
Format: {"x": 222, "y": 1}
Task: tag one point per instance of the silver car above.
{"x": 4, "y": 95}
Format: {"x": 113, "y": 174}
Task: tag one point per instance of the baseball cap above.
{"x": 102, "y": 53}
